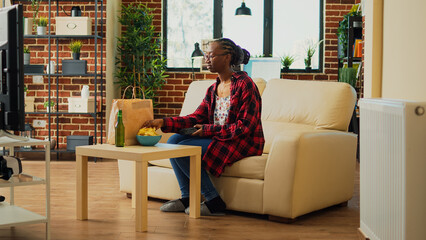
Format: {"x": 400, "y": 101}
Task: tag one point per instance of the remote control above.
{"x": 188, "y": 131}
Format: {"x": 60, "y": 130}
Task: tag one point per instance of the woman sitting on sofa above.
{"x": 227, "y": 126}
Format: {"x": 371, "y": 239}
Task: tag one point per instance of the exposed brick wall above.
{"x": 76, "y": 124}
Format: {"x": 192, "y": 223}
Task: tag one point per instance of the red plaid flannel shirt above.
{"x": 240, "y": 137}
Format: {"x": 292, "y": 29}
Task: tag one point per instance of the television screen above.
{"x": 12, "y": 106}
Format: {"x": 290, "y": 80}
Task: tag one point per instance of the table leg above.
{"x": 141, "y": 196}
{"x": 82, "y": 200}
{"x": 134, "y": 185}
{"x": 195, "y": 185}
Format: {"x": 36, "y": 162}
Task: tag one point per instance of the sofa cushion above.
{"x": 271, "y": 129}
{"x": 325, "y": 105}
{"x": 260, "y": 84}
{"x": 194, "y": 96}
{"x": 250, "y": 167}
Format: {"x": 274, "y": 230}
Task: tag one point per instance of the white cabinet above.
{"x": 12, "y": 215}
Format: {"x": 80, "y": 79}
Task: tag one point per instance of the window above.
{"x": 296, "y": 24}
{"x": 246, "y": 31}
{"x": 275, "y": 28}
{"x": 188, "y": 21}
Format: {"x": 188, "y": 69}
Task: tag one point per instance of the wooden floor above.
{"x": 111, "y": 215}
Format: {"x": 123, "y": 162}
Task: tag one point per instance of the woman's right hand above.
{"x": 156, "y": 123}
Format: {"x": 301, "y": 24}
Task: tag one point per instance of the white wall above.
{"x": 404, "y": 51}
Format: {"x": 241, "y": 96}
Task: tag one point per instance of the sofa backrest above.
{"x": 197, "y": 90}
{"x": 195, "y": 95}
{"x": 324, "y": 105}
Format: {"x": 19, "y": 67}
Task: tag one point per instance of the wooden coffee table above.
{"x": 140, "y": 155}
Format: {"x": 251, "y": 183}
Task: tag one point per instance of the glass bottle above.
{"x": 119, "y": 130}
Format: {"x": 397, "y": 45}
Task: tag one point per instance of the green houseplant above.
{"x": 287, "y": 60}
{"x": 35, "y": 6}
{"x": 342, "y": 30}
{"x": 140, "y": 63}
{"x": 26, "y": 56}
{"x": 41, "y": 26}
{"x": 75, "y": 47}
{"x": 310, "y": 51}
{"x": 49, "y": 105}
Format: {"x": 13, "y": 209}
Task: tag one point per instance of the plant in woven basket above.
{"x": 140, "y": 63}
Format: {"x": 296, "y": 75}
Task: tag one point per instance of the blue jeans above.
{"x": 181, "y": 166}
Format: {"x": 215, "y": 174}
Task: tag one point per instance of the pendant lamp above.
{"x": 243, "y": 10}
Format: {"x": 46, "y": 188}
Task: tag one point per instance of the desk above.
{"x": 140, "y": 155}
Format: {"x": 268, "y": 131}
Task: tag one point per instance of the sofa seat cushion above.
{"x": 250, "y": 167}
{"x": 272, "y": 128}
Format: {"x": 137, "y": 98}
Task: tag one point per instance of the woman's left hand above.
{"x": 199, "y": 132}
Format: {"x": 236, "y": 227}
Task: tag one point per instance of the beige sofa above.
{"x": 308, "y": 161}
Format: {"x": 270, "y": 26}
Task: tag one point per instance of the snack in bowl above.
{"x": 148, "y": 137}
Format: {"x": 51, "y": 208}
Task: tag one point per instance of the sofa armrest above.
{"x": 307, "y": 171}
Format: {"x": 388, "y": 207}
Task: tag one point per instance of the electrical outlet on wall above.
{"x": 38, "y": 79}
{"x": 39, "y": 123}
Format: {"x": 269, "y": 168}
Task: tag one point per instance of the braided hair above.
{"x": 238, "y": 55}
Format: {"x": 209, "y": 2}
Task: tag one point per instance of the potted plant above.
{"x": 35, "y": 6}
{"x": 310, "y": 51}
{"x": 75, "y": 47}
{"x": 26, "y": 56}
{"x": 49, "y": 106}
{"x": 342, "y": 30}
{"x": 25, "y": 91}
{"x": 287, "y": 60}
{"x": 41, "y": 26}
{"x": 140, "y": 63}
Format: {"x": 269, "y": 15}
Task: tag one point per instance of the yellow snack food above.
{"x": 147, "y": 132}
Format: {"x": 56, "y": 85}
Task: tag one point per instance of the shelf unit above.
{"x": 354, "y": 32}
{"x": 97, "y": 75}
{"x": 12, "y": 215}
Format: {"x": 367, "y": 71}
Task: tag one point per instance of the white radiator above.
{"x": 393, "y": 169}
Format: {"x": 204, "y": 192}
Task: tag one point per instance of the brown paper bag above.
{"x": 135, "y": 113}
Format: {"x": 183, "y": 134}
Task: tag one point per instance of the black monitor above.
{"x": 12, "y": 106}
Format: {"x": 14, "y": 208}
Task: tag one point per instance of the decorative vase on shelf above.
{"x": 26, "y": 59}
{"x": 76, "y": 56}
{"x": 85, "y": 91}
{"x": 41, "y": 30}
{"x": 28, "y": 26}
